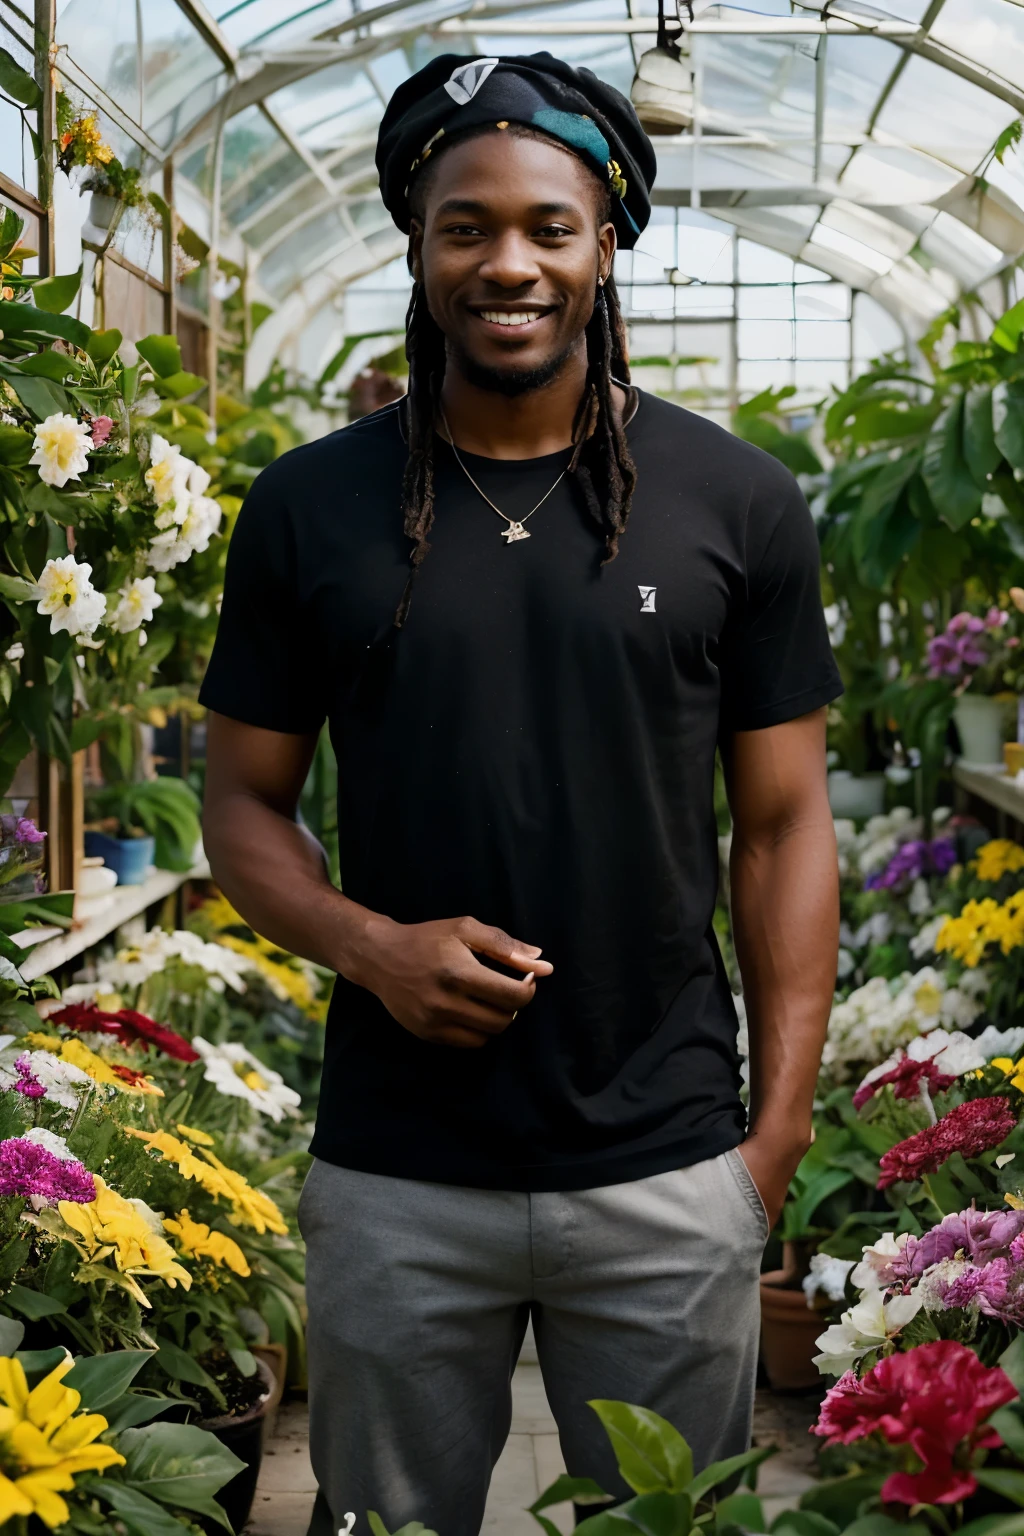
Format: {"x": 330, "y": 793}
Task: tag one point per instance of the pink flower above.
{"x": 30, "y": 1170}
{"x": 996, "y": 618}
{"x": 27, "y": 1083}
{"x": 970, "y": 1129}
{"x": 102, "y": 426}
{"x": 129, "y": 1026}
{"x": 906, "y": 1078}
{"x": 935, "y": 1399}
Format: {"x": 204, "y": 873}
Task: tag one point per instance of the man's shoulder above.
{"x": 369, "y": 445}
{"x": 701, "y": 449}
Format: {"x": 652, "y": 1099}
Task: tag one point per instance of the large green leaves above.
{"x": 162, "y": 353}
{"x": 37, "y": 325}
{"x": 141, "y": 1515}
{"x": 55, "y": 294}
{"x": 11, "y": 226}
{"x": 654, "y": 1514}
{"x": 179, "y": 1464}
{"x": 16, "y": 82}
{"x": 1008, "y": 420}
{"x": 651, "y": 1453}
{"x": 947, "y": 473}
{"x": 103, "y": 1378}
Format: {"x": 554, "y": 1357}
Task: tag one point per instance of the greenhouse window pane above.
{"x": 856, "y": 71}
{"x": 247, "y": 22}
{"x": 889, "y": 175}
{"x": 814, "y": 380}
{"x": 851, "y": 249}
{"x": 703, "y": 300}
{"x": 753, "y": 377}
{"x": 934, "y": 110}
{"x": 765, "y": 338}
{"x": 182, "y": 76}
{"x": 325, "y": 108}
{"x": 991, "y": 32}
{"x": 823, "y": 301}
{"x": 765, "y": 303}
{"x": 822, "y": 339}
{"x": 758, "y": 83}
{"x": 17, "y": 159}
{"x": 960, "y": 250}
{"x": 103, "y": 41}
{"x": 875, "y": 331}
{"x": 757, "y": 264}
{"x": 868, "y": 229}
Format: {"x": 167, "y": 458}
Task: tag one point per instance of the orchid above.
{"x": 871, "y": 1325}
{"x": 139, "y": 600}
{"x": 67, "y": 595}
{"x": 167, "y": 478}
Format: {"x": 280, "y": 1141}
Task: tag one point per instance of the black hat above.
{"x": 454, "y": 93}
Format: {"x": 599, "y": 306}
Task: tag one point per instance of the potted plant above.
{"x": 154, "y": 821}
{"x": 976, "y": 655}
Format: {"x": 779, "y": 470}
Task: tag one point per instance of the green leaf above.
{"x": 1008, "y": 330}
{"x": 56, "y": 294}
{"x": 651, "y": 1453}
{"x": 25, "y": 320}
{"x": 141, "y": 1515}
{"x": 581, "y": 1490}
{"x": 11, "y": 1334}
{"x": 15, "y": 446}
{"x": 162, "y": 353}
{"x": 839, "y": 1498}
{"x": 11, "y": 227}
{"x": 656, "y": 1514}
{"x": 179, "y": 1464}
{"x": 742, "y": 1509}
{"x": 1008, "y": 139}
{"x": 49, "y": 365}
{"x": 800, "y": 1522}
{"x": 995, "y": 1525}
{"x": 16, "y": 82}
{"x": 721, "y": 1471}
{"x": 139, "y": 1408}
{"x": 980, "y": 450}
{"x": 946, "y": 472}
{"x": 1009, "y": 1425}
{"x": 102, "y": 345}
{"x": 40, "y": 397}
{"x": 102, "y": 1378}
{"x": 178, "y": 385}
{"x": 878, "y": 1524}
{"x": 1009, "y": 1484}
{"x": 33, "y": 1304}
{"x": 181, "y": 1366}
{"x": 37, "y": 1363}
{"x": 1008, "y": 420}
{"x": 16, "y": 590}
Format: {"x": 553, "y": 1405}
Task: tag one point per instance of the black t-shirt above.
{"x": 535, "y": 749}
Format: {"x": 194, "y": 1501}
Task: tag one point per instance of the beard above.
{"x": 511, "y": 381}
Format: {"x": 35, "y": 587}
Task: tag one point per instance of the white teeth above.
{"x": 503, "y": 317}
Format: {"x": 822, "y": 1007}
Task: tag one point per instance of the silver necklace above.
{"x": 515, "y": 530}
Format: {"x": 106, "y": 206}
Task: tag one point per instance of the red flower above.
{"x": 935, "y": 1399}
{"x": 970, "y": 1128}
{"x": 905, "y": 1077}
{"x": 129, "y": 1027}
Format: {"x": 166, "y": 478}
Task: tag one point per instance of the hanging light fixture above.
{"x": 662, "y": 89}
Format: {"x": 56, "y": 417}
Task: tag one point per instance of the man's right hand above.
{"x": 429, "y": 979}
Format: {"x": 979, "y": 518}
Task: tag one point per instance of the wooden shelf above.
{"x": 128, "y": 902}
{"x": 995, "y": 788}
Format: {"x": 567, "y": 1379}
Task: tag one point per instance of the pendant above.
{"x": 514, "y": 532}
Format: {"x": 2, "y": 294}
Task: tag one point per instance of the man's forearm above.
{"x": 785, "y": 910}
{"x": 273, "y": 872}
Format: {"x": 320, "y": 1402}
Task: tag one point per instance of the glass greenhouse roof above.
{"x": 854, "y": 139}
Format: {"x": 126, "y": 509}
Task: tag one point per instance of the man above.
{"x": 530, "y": 1100}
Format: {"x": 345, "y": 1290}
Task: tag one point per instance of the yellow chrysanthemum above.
{"x": 200, "y": 1138}
{"x": 249, "y": 1207}
{"x": 79, "y": 1055}
{"x": 44, "y": 1442}
{"x": 197, "y": 1241}
{"x": 998, "y": 858}
{"x": 980, "y": 924}
{"x": 112, "y": 1227}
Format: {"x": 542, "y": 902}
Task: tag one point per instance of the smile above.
{"x": 511, "y": 318}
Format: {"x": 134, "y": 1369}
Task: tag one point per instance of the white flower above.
{"x": 69, "y": 597}
{"x": 924, "y": 941}
{"x": 867, "y": 1326}
{"x": 15, "y": 652}
{"x": 919, "y": 901}
{"x": 875, "y": 1268}
{"x": 846, "y": 965}
{"x": 198, "y": 480}
{"x": 953, "y": 1053}
{"x": 1001, "y": 1042}
{"x": 932, "y": 1286}
{"x": 134, "y": 965}
{"x": 201, "y": 524}
{"x": 139, "y": 601}
{"x": 167, "y": 477}
{"x": 62, "y": 1082}
{"x": 62, "y": 449}
{"x": 51, "y": 1141}
{"x": 238, "y": 1072}
{"x": 827, "y": 1275}
{"x": 835, "y": 620}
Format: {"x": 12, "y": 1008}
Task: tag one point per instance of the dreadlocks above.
{"x": 601, "y": 464}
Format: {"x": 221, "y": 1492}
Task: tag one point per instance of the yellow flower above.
{"x": 79, "y": 1055}
{"x": 111, "y": 1226}
{"x": 287, "y": 978}
{"x": 1016, "y": 1201}
{"x": 200, "y": 1138}
{"x": 37, "y": 1040}
{"x": 43, "y": 1443}
{"x": 998, "y": 858}
{"x": 197, "y": 1241}
{"x": 249, "y": 1207}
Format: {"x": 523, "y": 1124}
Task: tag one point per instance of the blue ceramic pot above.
{"x": 130, "y": 857}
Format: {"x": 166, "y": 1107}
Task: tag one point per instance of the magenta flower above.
{"x": 980, "y": 1235}
{"x": 30, "y": 1170}
{"x": 911, "y": 861}
{"x": 102, "y": 426}
{"x": 27, "y": 1083}
{"x": 970, "y": 1128}
{"x": 905, "y": 1079}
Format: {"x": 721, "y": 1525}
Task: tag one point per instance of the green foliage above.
{"x": 55, "y": 294}
{"x": 14, "y": 81}
{"x": 166, "y": 808}
{"x": 763, "y": 422}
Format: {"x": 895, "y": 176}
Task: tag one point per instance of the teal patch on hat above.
{"x": 574, "y": 129}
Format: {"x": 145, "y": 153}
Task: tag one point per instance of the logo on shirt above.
{"x": 647, "y": 599}
{"x": 464, "y": 82}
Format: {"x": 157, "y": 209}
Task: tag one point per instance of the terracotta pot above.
{"x": 789, "y": 1328}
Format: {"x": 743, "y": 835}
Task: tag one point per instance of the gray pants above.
{"x": 419, "y": 1296}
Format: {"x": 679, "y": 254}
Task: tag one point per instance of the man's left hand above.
{"x": 771, "y": 1164}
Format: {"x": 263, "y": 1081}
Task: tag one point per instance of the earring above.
{"x": 600, "y": 282}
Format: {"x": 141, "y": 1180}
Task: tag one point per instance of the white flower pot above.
{"x": 979, "y": 720}
{"x": 856, "y": 797}
{"x": 105, "y": 214}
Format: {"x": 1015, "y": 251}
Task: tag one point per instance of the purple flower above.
{"x": 964, "y": 644}
{"x": 980, "y": 1236}
{"x": 910, "y": 862}
{"x": 19, "y": 829}
{"x": 30, "y": 1170}
{"x": 27, "y": 1083}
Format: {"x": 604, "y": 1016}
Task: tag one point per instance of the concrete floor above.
{"x": 530, "y": 1462}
